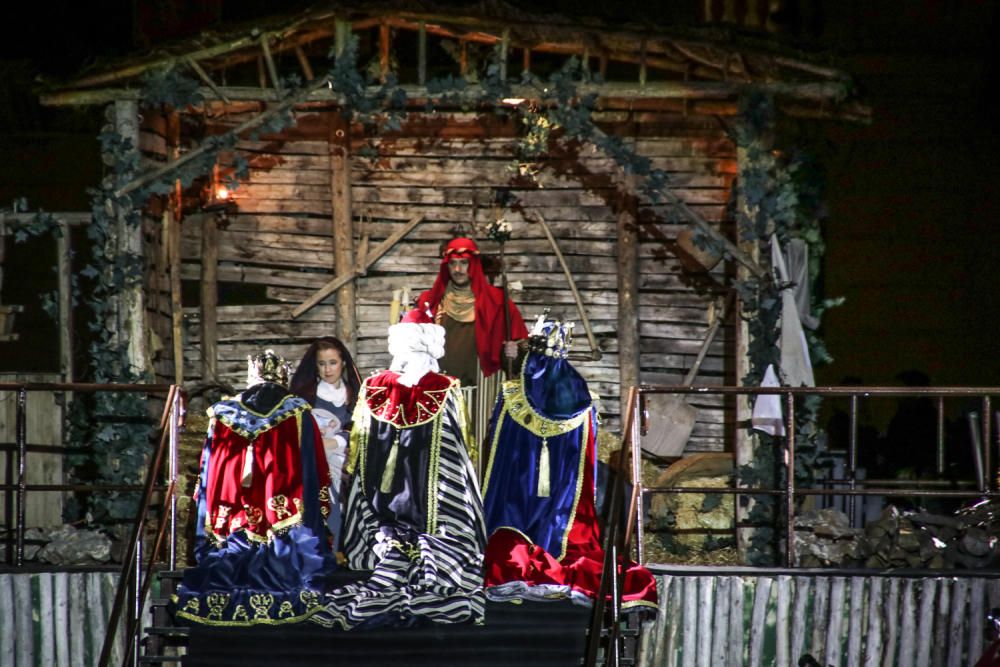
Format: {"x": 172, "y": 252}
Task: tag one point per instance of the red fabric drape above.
{"x": 490, "y": 331}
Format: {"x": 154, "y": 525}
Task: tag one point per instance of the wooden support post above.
{"x": 261, "y": 74}
{"x": 526, "y": 61}
{"x": 628, "y": 295}
{"x": 384, "y": 37}
{"x": 172, "y": 225}
{"x": 504, "y": 52}
{"x": 64, "y": 258}
{"x": 272, "y": 69}
{"x": 642, "y": 65}
{"x": 422, "y": 54}
{"x": 602, "y": 66}
{"x": 745, "y": 441}
{"x": 131, "y": 315}
{"x": 307, "y": 70}
{"x": 343, "y": 225}
{"x": 463, "y": 58}
{"x": 585, "y": 64}
{"x": 341, "y": 33}
{"x": 209, "y": 297}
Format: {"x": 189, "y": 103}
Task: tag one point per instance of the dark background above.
{"x": 912, "y": 231}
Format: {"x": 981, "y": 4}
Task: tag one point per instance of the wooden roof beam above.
{"x": 307, "y": 70}
{"x": 206, "y": 79}
{"x": 272, "y": 69}
{"x": 694, "y": 90}
{"x": 248, "y": 41}
{"x": 485, "y": 30}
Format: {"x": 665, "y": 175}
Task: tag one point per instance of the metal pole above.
{"x": 852, "y": 455}
{"x": 175, "y": 414}
{"x": 22, "y": 480}
{"x": 987, "y": 458}
{"x": 939, "y": 464}
{"x": 630, "y": 442}
{"x": 136, "y": 622}
{"x": 8, "y": 511}
{"x": 790, "y": 480}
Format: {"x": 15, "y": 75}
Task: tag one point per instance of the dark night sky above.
{"x": 913, "y": 233}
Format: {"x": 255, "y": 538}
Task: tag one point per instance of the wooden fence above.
{"x": 56, "y": 618}
{"x": 842, "y": 620}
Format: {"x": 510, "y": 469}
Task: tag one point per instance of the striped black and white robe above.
{"x": 414, "y": 514}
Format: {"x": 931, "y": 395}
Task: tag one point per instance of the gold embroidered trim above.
{"x": 433, "y": 470}
{"x": 523, "y": 413}
{"x": 424, "y": 415}
{"x": 493, "y": 446}
{"x": 294, "y": 412}
{"x": 241, "y": 618}
{"x": 359, "y": 432}
{"x": 584, "y": 440}
{"x": 639, "y": 603}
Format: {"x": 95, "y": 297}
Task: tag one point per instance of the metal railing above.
{"x": 132, "y": 573}
{"x": 618, "y": 538}
{"x": 133, "y": 578}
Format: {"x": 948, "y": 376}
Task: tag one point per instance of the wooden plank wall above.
{"x": 446, "y": 168}
{"x": 56, "y": 618}
{"x": 840, "y": 620}
{"x": 153, "y": 153}
{"x": 44, "y": 426}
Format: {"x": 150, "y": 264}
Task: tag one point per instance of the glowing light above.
{"x": 513, "y": 101}
{"x": 222, "y": 193}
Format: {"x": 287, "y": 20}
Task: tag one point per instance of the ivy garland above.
{"x": 779, "y": 196}
{"x": 119, "y": 435}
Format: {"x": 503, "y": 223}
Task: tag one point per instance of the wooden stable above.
{"x": 334, "y": 217}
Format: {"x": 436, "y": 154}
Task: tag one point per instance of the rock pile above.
{"x": 968, "y": 539}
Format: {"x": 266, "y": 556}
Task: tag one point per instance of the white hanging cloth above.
{"x": 767, "y": 416}
{"x": 796, "y": 367}
{"x": 797, "y": 261}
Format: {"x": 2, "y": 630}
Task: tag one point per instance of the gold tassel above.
{"x": 390, "y": 466}
{"x": 247, "y": 477}
{"x": 543, "y": 470}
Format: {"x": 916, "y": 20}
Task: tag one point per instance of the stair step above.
{"x": 535, "y": 634}
{"x": 160, "y": 659}
{"x": 168, "y": 630}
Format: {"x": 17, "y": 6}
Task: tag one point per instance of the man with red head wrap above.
{"x": 472, "y": 313}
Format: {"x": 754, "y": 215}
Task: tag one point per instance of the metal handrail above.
{"x": 132, "y": 567}
{"x": 18, "y": 490}
{"x": 132, "y": 571}
{"x": 982, "y": 485}
{"x": 617, "y": 543}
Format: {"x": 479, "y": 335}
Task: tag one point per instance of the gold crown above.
{"x": 267, "y": 367}
{"x": 552, "y": 338}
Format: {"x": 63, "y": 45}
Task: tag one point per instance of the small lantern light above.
{"x": 217, "y": 197}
